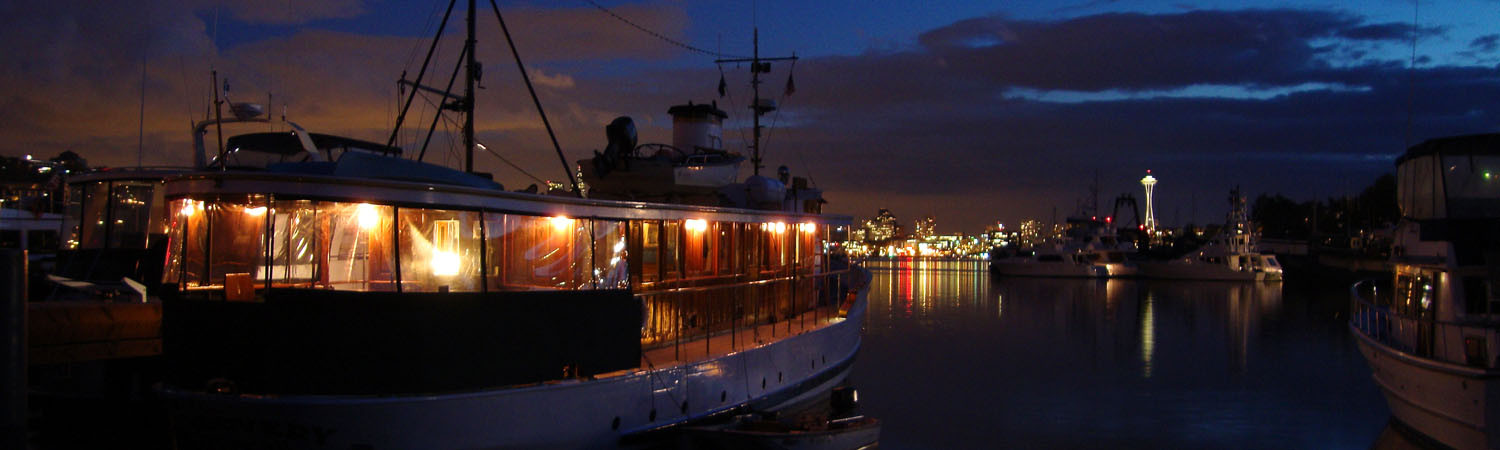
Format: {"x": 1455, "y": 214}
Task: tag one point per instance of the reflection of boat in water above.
{"x": 848, "y": 433}
{"x": 1431, "y": 340}
{"x": 374, "y": 301}
{"x": 1230, "y": 256}
{"x": 1088, "y": 250}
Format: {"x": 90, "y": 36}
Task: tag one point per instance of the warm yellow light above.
{"x": 779, "y": 227}
{"x": 808, "y": 227}
{"x": 188, "y": 208}
{"x": 444, "y": 264}
{"x": 696, "y": 225}
{"x": 561, "y": 223}
{"x": 367, "y": 216}
{"x": 256, "y": 211}
{"x": 619, "y": 246}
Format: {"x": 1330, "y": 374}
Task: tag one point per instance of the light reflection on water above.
{"x": 953, "y": 359}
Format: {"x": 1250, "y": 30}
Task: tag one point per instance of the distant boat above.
{"x": 1088, "y": 250}
{"x": 1230, "y": 256}
{"x": 1432, "y": 338}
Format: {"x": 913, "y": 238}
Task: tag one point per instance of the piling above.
{"x": 13, "y": 327}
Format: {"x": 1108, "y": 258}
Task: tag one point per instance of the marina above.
{"x": 662, "y": 225}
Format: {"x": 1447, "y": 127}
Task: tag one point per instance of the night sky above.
{"x": 974, "y": 112}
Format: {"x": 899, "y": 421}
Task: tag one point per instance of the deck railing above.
{"x": 1463, "y": 344}
{"x": 695, "y": 321}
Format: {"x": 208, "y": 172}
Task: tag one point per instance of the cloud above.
{"x": 934, "y": 125}
{"x": 1485, "y": 44}
{"x": 292, "y": 12}
{"x": 1145, "y": 51}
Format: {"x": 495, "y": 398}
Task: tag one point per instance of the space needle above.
{"x": 1149, "y": 182}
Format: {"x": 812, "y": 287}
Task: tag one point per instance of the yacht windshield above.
{"x": 1472, "y": 185}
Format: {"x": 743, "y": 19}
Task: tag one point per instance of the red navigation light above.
{"x": 1109, "y": 219}
{"x": 1142, "y": 227}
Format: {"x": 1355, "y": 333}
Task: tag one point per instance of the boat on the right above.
{"x": 1230, "y": 256}
{"x": 1427, "y": 334}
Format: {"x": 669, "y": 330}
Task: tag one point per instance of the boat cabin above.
{"x": 353, "y": 263}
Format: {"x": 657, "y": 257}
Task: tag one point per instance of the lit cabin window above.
{"x": 439, "y": 250}
{"x": 532, "y": 252}
{"x": 611, "y": 258}
{"x": 332, "y": 245}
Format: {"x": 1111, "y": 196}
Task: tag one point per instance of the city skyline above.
{"x": 973, "y": 113}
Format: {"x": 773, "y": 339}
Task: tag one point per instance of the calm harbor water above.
{"x": 955, "y": 358}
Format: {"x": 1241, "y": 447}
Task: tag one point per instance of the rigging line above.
{"x": 567, "y": 169}
{"x": 659, "y": 35}
{"x": 439, "y": 112}
{"x": 449, "y": 124}
{"x": 420, "y": 73}
{"x": 1411, "y": 70}
{"x": 412, "y": 55}
{"x": 729, "y": 94}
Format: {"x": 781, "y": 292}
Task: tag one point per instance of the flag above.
{"x": 722, "y": 85}
{"x": 790, "y": 86}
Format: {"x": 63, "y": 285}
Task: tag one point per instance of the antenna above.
{"x": 758, "y": 65}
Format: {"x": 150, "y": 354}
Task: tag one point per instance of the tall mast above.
{"x": 468, "y": 106}
{"x": 758, "y": 66}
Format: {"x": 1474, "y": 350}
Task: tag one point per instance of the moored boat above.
{"x": 1427, "y": 336}
{"x": 1087, "y": 250}
{"x": 1230, "y": 256}
{"x": 374, "y": 301}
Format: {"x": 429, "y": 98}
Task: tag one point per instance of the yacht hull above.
{"x": 590, "y": 413}
{"x": 1446, "y": 402}
{"x": 1043, "y": 269}
{"x": 1210, "y": 272}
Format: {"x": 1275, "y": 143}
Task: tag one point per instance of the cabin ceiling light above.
{"x": 444, "y": 264}
{"x": 561, "y": 223}
{"x": 256, "y": 211}
{"x": 367, "y": 216}
{"x": 696, "y": 225}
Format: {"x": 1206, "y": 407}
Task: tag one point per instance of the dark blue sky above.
{"x": 969, "y": 111}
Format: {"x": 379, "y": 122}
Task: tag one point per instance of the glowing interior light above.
{"x": 779, "y": 227}
{"x": 367, "y": 215}
{"x": 561, "y": 223}
{"x": 188, "y": 208}
{"x": 444, "y": 264}
{"x": 808, "y": 227}
{"x": 696, "y": 225}
{"x": 619, "y": 246}
{"x": 256, "y": 211}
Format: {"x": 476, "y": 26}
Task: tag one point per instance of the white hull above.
{"x": 710, "y": 176}
{"x": 568, "y": 414}
{"x": 1446, "y": 402}
{"x": 1191, "y": 271}
{"x": 1048, "y": 269}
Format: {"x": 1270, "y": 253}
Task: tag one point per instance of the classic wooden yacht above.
{"x": 1427, "y": 336}
{"x": 1230, "y": 256}
{"x": 375, "y": 301}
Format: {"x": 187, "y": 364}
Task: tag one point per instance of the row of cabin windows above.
{"x": 114, "y": 214}
{"x": 250, "y": 242}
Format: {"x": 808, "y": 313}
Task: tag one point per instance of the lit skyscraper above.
{"x": 1149, "y": 182}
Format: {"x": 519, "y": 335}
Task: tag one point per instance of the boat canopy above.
{"x": 288, "y": 144}
{"x": 1451, "y": 178}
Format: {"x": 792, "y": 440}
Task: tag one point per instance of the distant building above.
{"x": 925, "y": 228}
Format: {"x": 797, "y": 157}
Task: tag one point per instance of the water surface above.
{"x": 954, "y": 358}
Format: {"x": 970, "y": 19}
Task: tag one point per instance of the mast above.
{"x": 758, "y": 66}
{"x": 468, "y": 106}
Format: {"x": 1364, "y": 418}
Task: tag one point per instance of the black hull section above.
{"x": 353, "y": 343}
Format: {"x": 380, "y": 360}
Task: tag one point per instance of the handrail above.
{"x": 742, "y": 283}
{"x": 1447, "y": 342}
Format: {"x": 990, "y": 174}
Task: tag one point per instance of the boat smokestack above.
{"x": 697, "y": 126}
